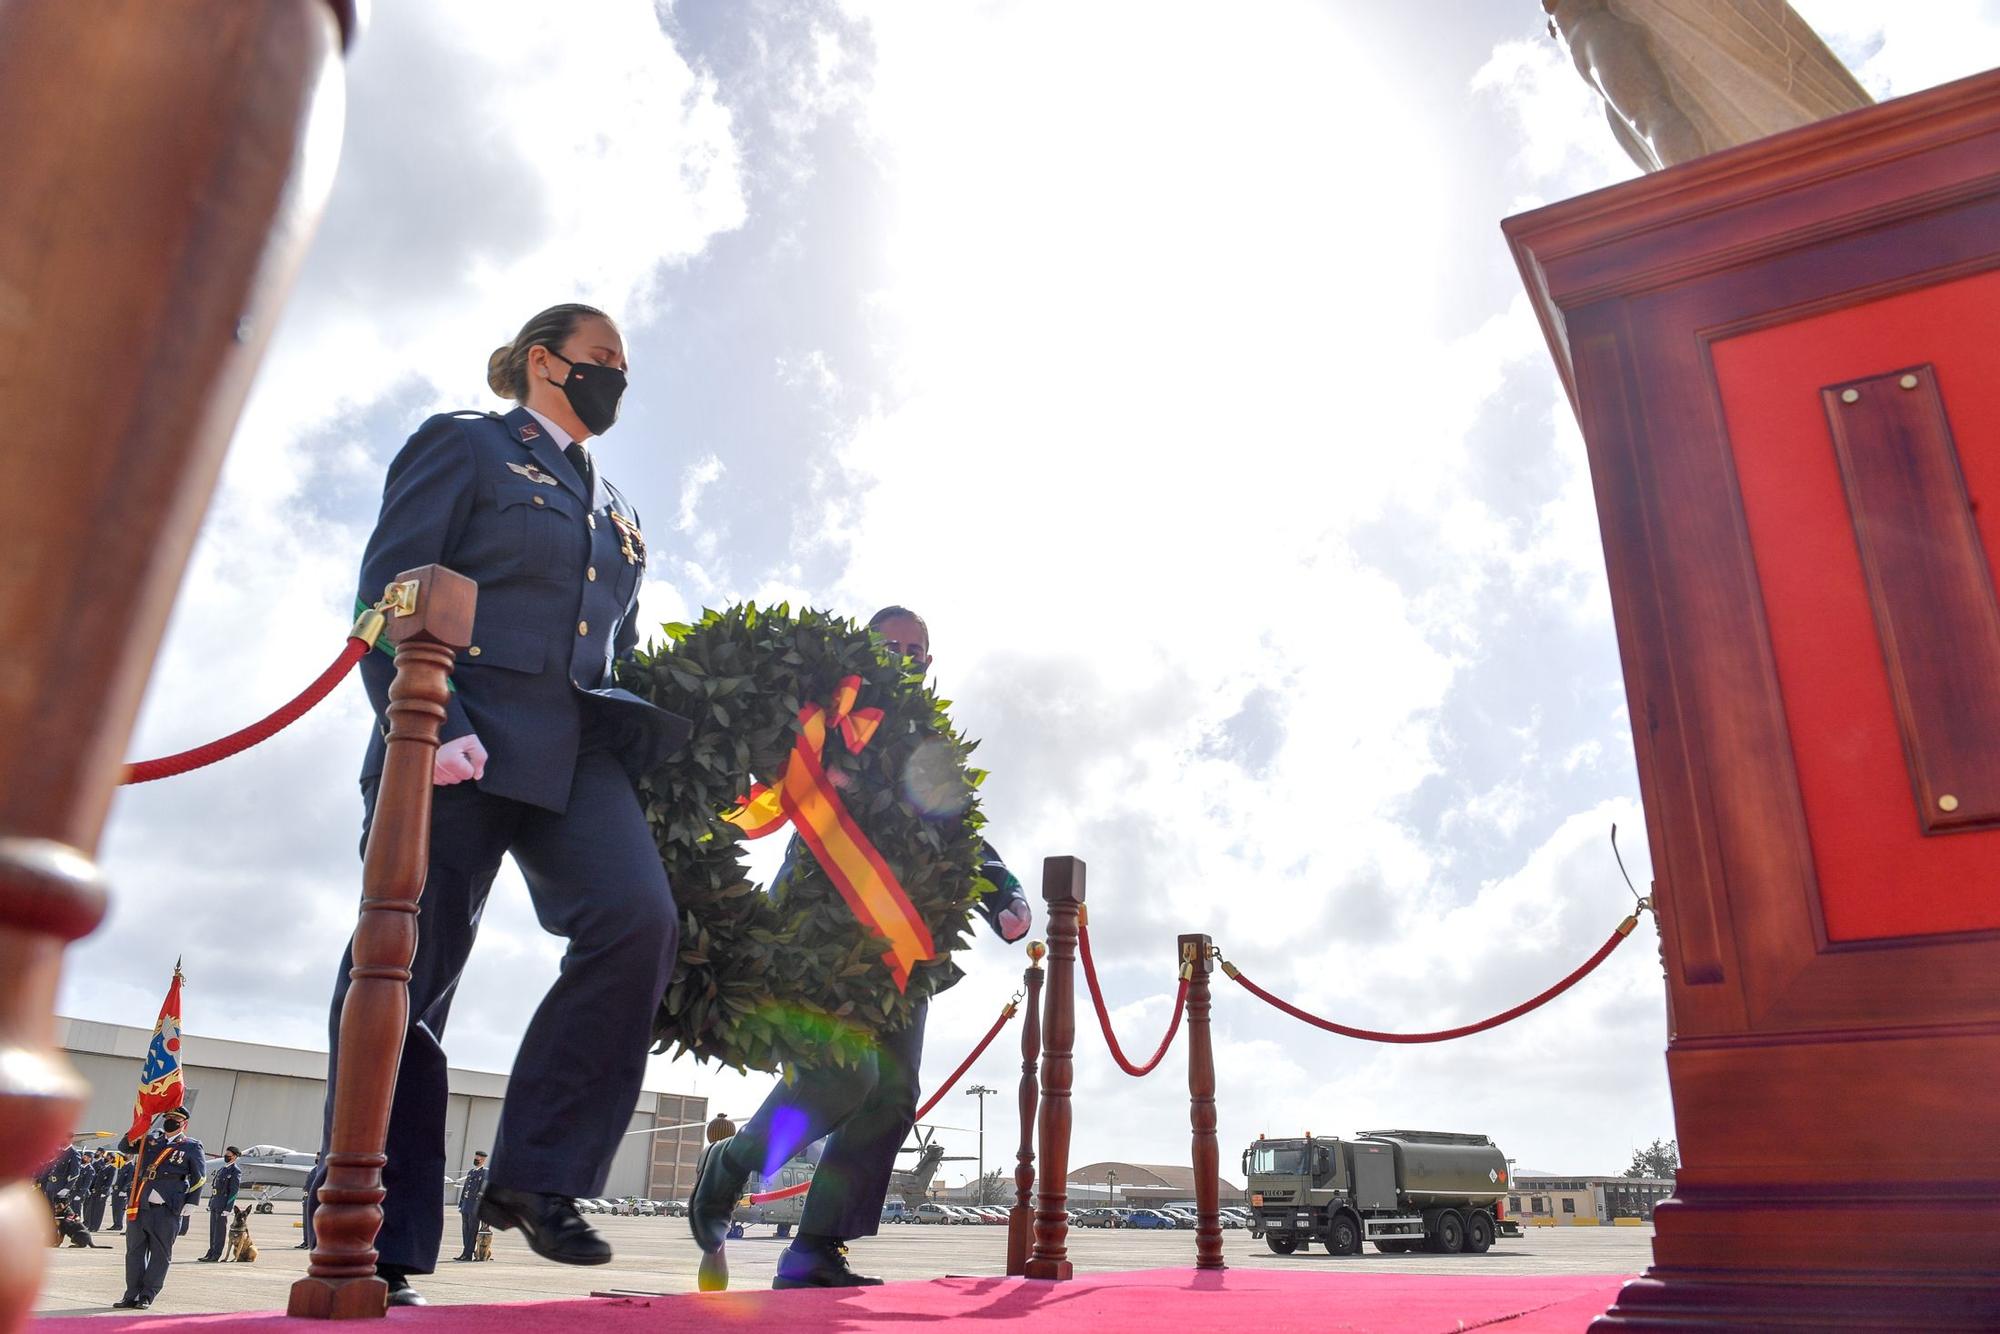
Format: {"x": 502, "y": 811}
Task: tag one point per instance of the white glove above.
{"x": 459, "y": 760}
{"x": 1015, "y": 919}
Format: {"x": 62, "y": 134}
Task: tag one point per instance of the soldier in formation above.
{"x": 469, "y": 1191}
{"x": 221, "y": 1196}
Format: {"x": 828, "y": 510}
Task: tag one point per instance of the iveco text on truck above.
{"x": 1400, "y": 1189}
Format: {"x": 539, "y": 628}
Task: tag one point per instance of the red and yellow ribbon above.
{"x": 806, "y": 799}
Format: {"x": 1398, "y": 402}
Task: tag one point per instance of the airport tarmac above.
{"x": 657, "y": 1255}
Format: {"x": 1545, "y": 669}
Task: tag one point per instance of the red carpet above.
{"x": 1148, "y": 1302}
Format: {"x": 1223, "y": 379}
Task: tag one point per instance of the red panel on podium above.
{"x": 1880, "y": 876}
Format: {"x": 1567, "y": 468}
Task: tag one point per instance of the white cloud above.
{"x": 499, "y": 157}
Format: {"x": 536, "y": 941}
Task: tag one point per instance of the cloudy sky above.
{"x": 1166, "y": 356}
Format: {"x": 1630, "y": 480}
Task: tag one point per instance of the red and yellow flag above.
{"x": 161, "y": 1087}
{"x": 806, "y": 799}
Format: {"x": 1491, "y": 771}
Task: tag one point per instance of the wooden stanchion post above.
{"x": 434, "y": 622}
{"x": 163, "y": 169}
{"x": 1021, "y": 1218}
{"x": 1062, "y": 892}
{"x": 1197, "y": 963}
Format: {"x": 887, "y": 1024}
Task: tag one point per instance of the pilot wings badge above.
{"x": 532, "y": 473}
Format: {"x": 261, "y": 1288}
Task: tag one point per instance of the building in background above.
{"x": 1139, "y": 1184}
{"x": 1552, "y": 1201}
{"x": 246, "y": 1093}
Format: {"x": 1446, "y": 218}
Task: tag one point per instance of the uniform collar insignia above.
{"x": 522, "y": 424}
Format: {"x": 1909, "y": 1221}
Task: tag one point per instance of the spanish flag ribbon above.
{"x": 806, "y": 799}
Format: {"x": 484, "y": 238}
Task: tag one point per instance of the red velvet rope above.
{"x": 1104, "y": 1015}
{"x": 766, "y": 1197}
{"x": 145, "y": 771}
{"x": 1444, "y": 1035}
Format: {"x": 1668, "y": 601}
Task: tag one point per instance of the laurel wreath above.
{"x": 763, "y": 979}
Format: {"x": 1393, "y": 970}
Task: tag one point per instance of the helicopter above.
{"x": 910, "y": 1184}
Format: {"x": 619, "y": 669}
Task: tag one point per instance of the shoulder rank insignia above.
{"x": 530, "y": 431}
{"x": 532, "y": 473}
{"x": 629, "y": 538}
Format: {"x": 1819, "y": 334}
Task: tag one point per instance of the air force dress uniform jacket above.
{"x": 558, "y": 562}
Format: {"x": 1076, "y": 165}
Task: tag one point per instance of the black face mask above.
{"x": 172, "y": 1127}
{"x": 593, "y": 392}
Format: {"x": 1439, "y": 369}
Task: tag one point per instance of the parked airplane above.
{"x": 271, "y": 1172}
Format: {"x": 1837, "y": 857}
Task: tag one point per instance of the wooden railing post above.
{"x": 1197, "y": 963}
{"x": 1062, "y": 893}
{"x": 158, "y": 193}
{"x": 373, "y": 1019}
{"x": 1021, "y": 1218}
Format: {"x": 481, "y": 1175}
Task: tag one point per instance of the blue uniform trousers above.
{"x": 149, "y": 1249}
{"x": 218, "y": 1231}
{"x": 867, "y": 1113}
{"x": 595, "y": 876}
{"x": 119, "y": 1199}
{"x": 93, "y": 1214}
{"x": 469, "y": 1221}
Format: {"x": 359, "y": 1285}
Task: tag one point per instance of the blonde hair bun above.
{"x": 497, "y": 376}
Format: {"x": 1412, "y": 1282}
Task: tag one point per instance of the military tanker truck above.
{"x": 1401, "y": 1189}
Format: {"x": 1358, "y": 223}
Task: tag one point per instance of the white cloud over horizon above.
{"x": 1148, "y": 356}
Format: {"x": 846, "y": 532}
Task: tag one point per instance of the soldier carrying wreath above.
{"x": 864, "y": 1110}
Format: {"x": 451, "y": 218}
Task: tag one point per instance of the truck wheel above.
{"x": 1479, "y": 1232}
{"x": 1449, "y": 1239}
{"x": 1343, "y": 1236}
{"x": 1281, "y": 1245}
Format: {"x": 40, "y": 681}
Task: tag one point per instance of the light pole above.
{"x": 1111, "y": 1175}
{"x": 980, "y": 1091}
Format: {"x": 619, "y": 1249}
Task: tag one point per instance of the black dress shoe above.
{"x": 207, "y": 1259}
{"x": 144, "y": 1303}
{"x": 125, "y": 1304}
{"x": 717, "y": 1186}
{"x": 819, "y": 1268}
{"x": 401, "y": 1293}
{"x": 553, "y": 1227}
{"x": 457, "y": 1258}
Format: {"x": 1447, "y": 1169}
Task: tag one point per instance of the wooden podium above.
{"x": 1786, "y": 361}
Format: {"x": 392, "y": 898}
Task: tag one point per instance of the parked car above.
{"x": 994, "y": 1214}
{"x": 1149, "y": 1218}
{"x": 895, "y": 1211}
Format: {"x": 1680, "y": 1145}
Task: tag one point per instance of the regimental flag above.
{"x": 161, "y": 1088}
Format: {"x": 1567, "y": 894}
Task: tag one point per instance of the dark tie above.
{"x": 579, "y": 459}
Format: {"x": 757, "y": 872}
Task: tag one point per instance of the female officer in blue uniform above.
{"x": 538, "y": 759}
